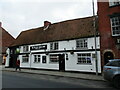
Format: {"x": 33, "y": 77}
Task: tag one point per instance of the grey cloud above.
{"x": 19, "y": 16}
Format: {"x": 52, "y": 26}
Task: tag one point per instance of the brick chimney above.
{"x": 46, "y": 24}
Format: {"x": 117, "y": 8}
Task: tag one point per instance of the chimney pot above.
{"x": 46, "y": 23}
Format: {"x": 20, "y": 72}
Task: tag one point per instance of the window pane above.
{"x": 51, "y": 46}
{"x": 56, "y": 45}
{"x": 54, "y": 58}
{"x": 81, "y": 43}
{"x": 37, "y": 58}
{"x": 114, "y": 2}
{"x": 43, "y": 59}
{"x": 115, "y": 24}
{"x": 84, "y": 58}
{"x": 25, "y": 48}
{"x": 25, "y": 58}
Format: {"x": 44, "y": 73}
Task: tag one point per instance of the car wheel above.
{"x": 116, "y": 81}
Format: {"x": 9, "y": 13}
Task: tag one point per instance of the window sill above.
{"x": 115, "y": 35}
{"x": 54, "y": 50}
{"x": 24, "y": 62}
{"x": 36, "y": 62}
{"x": 53, "y": 63}
{"x": 84, "y": 63}
{"x": 114, "y": 6}
{"x": 44, "y": 63}
{"x": 81, "y": 48}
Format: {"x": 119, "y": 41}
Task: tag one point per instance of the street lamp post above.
{"x": 94, "y": 24}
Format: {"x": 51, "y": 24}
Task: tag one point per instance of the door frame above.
{"x": 61, "y": 62}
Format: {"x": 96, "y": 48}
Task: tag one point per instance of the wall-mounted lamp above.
{"x": 92, "y": 47}
{"x": 71, "y": 52}
{"x": 47, "y": 53}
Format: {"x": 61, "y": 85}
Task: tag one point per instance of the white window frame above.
{"x": 115, "y": 26}
{"x": 25, "y": 58}
{"x": 84, "y": 58}
{"x": 37, "y": 58}
{"x": 25, "y": 48}
{"x": 54, "y": 58}
{"x": 82, "y": 44}
{"x": 44, "y": 59}
{"x": 54, "y": 46}
{"x": 114, "y": 2}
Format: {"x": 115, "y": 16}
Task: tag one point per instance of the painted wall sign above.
{"x": 38, "y": 47}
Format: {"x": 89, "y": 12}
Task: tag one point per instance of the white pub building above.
{"x": 64, "y": 46}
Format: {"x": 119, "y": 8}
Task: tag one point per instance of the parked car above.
{"x": 111, "y": 72}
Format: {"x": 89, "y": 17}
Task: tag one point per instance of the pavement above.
{"x": 79, "y": 75}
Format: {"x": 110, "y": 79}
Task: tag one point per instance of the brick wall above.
{"x": 107, "y": 41}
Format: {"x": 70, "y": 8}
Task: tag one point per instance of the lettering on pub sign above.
{"x": 39, "y": 47}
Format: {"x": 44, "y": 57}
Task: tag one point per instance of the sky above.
{"x": 20, "y": 15}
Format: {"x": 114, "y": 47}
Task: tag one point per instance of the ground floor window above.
{"x": 54, "y": 58}
{"x": 43, "y": 59}
{"x": 25, "y": 58}
{"x": 84, "y": 58}
{"x": 37, "y": 58}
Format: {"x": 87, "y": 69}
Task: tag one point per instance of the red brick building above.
{"x": 109, "y": 28}
{"x": 5, "y": 41}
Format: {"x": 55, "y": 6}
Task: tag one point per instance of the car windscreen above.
{"x": 113, "y": 63}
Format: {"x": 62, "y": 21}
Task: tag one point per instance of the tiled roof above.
{"x": 6, "y": 39}
{"x": 71, "y": 29}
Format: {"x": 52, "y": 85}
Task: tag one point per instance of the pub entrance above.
{"x": 61, "y": 62}
{"x": 13, "y": 57}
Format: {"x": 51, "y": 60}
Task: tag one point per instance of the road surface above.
{"x": 25, "y": 80}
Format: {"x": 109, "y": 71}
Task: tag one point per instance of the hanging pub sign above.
{"x": 40, "y": 47}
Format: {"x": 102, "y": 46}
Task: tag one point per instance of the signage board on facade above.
{"x": 39, "y": 47}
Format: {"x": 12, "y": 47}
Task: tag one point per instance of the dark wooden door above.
{"x": 61, "y": 62}
{"x": 107, "y": 57}
{"x": 13, "y": 57}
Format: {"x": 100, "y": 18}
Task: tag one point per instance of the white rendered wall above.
{"x": 71, "y": 63}
{"x": 46, "y": 65}
{"x": 7, "y": 58}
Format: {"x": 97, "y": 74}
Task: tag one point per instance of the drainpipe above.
{"x": 94, "y": 24}
{"x": 30, "y": 60}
